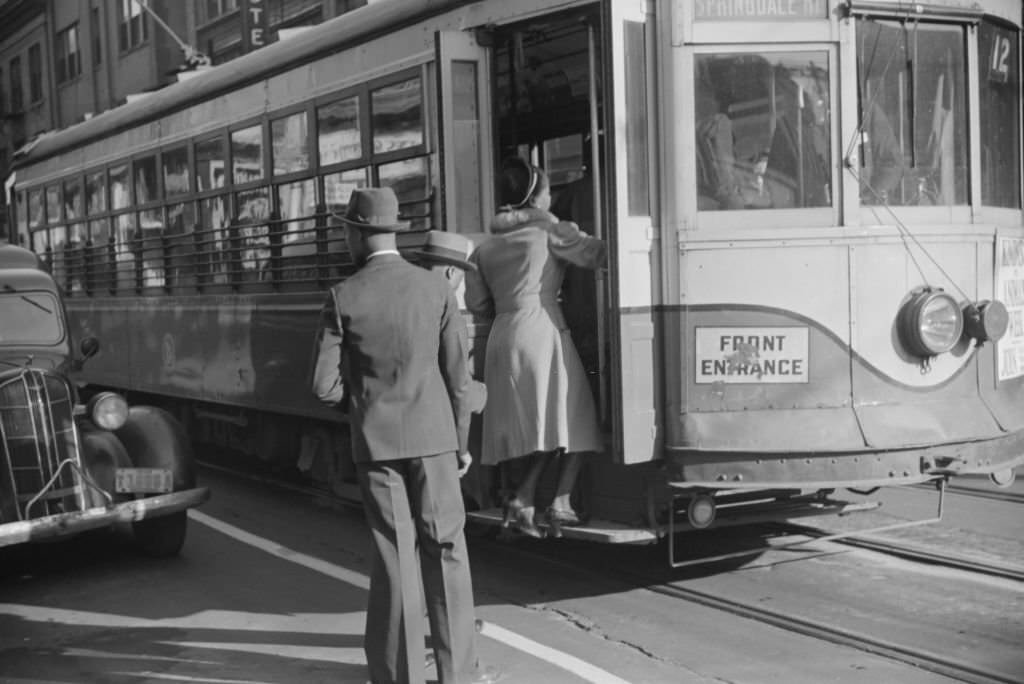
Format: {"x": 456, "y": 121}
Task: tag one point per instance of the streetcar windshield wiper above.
{"x": 8, "y": 288}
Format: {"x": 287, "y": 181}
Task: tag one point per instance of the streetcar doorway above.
{"x": 547, "y": 109}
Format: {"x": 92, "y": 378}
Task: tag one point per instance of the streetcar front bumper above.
{"x": 65, "y": 524}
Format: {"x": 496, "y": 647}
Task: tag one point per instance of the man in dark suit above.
{"x": 393, "y": 343}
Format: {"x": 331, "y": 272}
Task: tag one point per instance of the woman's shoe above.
{"x": 521, "y": 517}
{"x": 557, "y": 517}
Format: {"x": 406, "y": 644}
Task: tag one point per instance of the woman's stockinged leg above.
{"x": 567, "y": 474}
{"x": 519, "y": 510}
{"x": 560, "y": 511}
{"x": 527, "y": 490}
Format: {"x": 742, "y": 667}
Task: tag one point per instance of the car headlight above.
{"x": 108, "y": 410}
{"x": 930, "y": 323}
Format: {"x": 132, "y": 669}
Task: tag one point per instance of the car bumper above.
{"x": 102, "y": 516}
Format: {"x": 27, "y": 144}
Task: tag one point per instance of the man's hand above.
{"x": 465, "y": 460}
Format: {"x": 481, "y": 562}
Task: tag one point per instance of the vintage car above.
{"x": 65, "y": 466}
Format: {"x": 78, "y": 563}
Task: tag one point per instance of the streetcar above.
{"x": 813, "y": 209}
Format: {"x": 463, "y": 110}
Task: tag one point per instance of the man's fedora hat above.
{"x": 373, "y": 209}
{"x": 447, "y": 248}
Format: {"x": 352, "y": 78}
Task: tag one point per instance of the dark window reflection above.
{"x": 397, "y": 116}
{"x": 247, "y": 154}
{"x": 210, "y": 164}
{"x": 338, "y": 129}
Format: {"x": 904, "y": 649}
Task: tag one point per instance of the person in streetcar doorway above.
{"x": 539, "y": 401}
{"x": 392, "y": 345}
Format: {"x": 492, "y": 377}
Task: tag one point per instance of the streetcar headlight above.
{"x": 108, "y": 410}
{"x": 930, "y": 323}
{"x": 986, "y": 320}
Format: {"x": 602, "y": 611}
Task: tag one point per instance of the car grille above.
{"x": 38, "y": 435}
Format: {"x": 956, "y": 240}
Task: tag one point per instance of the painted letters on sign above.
{"x": 741, "y": 355}
{"x": 759, "y": 10}
{"x": 1010, "y": 291}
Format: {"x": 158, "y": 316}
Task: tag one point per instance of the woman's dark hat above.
{"x": 373, "y": 209}
{"x": 447, "y": 248}
{"x": 519, "y": 179}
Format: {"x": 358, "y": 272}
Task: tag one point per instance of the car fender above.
{"x": 102, "y": 454}
{"x": 153, "y": 438}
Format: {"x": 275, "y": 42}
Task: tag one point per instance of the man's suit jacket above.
{"x": 393, "y": 342}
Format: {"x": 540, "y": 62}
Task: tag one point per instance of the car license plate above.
{"x": 143, "y": 480}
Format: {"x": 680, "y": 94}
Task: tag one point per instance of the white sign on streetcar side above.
{"x": 748, "y": 355}
{"x": 1010, "y": 291}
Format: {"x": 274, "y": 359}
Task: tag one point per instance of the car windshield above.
{"x": 29, "y": 317}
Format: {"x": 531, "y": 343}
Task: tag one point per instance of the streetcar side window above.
{"x": 247, "y": 155}
{"x": 999, "y": 79}
{"x": 249, "y": 241}
{"x": 290, "y": 136}
{"x": 397, "y": 126}
{"x": 35, "y": 208}
{"x": 913, "y": 113}
{"x": 763, "y": 130}
{"x": 52, "y": 204}
{"x": 77, "y": 235}
{"x": 209, "y": 160}
{"x": 123, "y": 227}
{"x": 397, "y": 116}
{"x": 339, "y": 186}
{"x": 95, "y": 193}
{"x": 20, "y": 217}
{"x": 339, "y": 138}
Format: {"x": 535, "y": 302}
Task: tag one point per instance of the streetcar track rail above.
{"x": 901, "y": 549}
{"x": 924, "y": 659}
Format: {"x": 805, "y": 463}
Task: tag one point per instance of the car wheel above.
{"x": 161, "y": 537}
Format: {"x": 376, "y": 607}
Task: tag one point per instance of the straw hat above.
{"x": 447, "y": 248}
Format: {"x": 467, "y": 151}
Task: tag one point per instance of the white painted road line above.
{"x": 580, "y": 668}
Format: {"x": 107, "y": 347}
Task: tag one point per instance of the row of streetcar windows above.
{"x": 763, "y": 121}
{"x": 244, "y": 206}
{"x": 248, "y": 205}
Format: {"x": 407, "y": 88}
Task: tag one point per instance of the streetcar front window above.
{"x": 763, "y": 130}
{"x": 913, "y": 113}
{"x": 999, "y": 79}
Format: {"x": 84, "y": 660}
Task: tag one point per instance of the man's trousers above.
{"x": 415, "y": 512}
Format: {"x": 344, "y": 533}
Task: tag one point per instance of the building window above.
{"x": 132, "y": 25}
{"x": 211, "y": 9}
{"x": 35, "y": 73}
{"x": 343, "y": 6}
{"x": 67, "y": 57}
{"x": 97, "y": 38}
{"x": 17, "y": 95}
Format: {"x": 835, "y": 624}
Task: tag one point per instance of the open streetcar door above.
{"x": 467, "y": 202}
{"x": 630, "y": 197}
